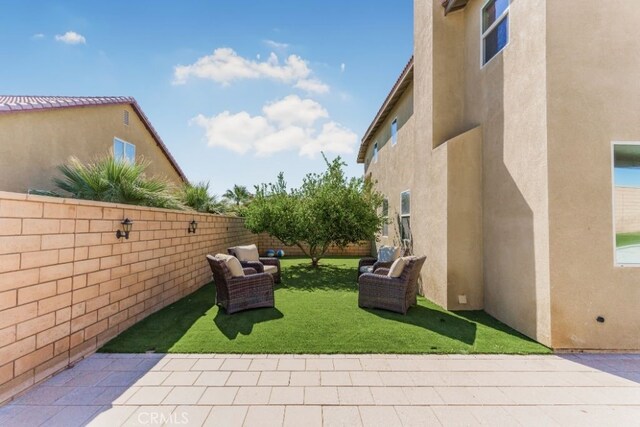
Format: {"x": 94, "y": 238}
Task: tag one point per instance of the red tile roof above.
{"x": 14, "y": 104}
{"x": 406, "y": 77}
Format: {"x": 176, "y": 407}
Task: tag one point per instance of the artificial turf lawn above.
{"x": 317, "y": 312}
{"x": 627, "y": 239}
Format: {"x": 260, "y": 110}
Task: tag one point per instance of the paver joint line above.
{"x": 284, "y": 389}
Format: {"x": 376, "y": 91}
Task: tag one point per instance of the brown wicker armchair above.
{"x": 241, "y": 293}
{"x": 377, "y": 290}
{"x": 371, "y": 264}
{"x": 261, "y": 265}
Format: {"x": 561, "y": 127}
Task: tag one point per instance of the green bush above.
{"x": 328, "y": 209}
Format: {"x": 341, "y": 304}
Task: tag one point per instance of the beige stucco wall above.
{"x": 391, "y": 172}
{"x": 464, "y": 221}
{"x": 594, "y": 99}
{"x": 33, "y": 144}
{"x": 508, "y": 97}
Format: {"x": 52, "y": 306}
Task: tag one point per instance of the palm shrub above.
{"x": 197, "y": 197}
{"x": 107, "y": 179}
{"x": 239, "y": 195}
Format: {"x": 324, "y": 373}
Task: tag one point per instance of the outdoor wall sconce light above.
{"x": 126, "y": 226}
{"x": 193, "y": 225}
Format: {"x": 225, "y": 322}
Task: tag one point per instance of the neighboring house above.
{"x": 38, "y": 133}
{"x": 515, "y": 122}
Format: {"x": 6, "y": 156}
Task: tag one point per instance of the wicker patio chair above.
{"x": 371, "y": 264}
{"x": 241, "y": 293}
{"x": 377, "y": 290}
{"x": 264, "y": 264}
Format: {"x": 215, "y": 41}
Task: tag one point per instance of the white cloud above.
{"x": 333, "y": 138}
{"x": 276, "y": 45}
{"x": 225, "y": 66}
{"x": 292, "y": 110}
{"x": 290, "y": 124}
{"x": 37, "y": 36}
{"x": 235, "y": 132}
{"x": 343, "y": 66}
{"x": 312, "y": 86}
{"x": 71, "y": 37}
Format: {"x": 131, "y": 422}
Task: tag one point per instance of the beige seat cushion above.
{"x": 247, "y": 253}
{"x": 234, "y": 266}
{"x": 397, "y": 267}
{"x": 271, "y": 269}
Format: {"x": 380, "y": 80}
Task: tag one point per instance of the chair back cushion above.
{"x": 247, "y": 253}
{"x": 388, "y": 253}
{"x": 232, "y": 263}
{"x": 397, "y": 267}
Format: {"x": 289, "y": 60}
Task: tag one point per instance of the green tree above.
{"x": 109, "y": 180}
{"x": 328, "y": 209}
{"x": 239, "y": 195}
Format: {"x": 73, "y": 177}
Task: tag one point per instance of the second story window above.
{"x": 394, "y": 131}
{"x": 375, "y": 152}
{"x": 495, "y": 28}
{"x": 123, "y": 150}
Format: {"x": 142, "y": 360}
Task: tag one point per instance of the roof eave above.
{"x": 453, "y": 5}
{"x": 398, "y": 89}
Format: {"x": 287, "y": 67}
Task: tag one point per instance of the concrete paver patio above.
{"x": 332, "y": 390}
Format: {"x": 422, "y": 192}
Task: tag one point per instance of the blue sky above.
{"x": 238, "y": 90}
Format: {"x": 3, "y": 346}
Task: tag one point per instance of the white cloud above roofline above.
{"x": 71, "y": 37}
{"x": 225, "y": 66}
{"x": 288, "y": 124}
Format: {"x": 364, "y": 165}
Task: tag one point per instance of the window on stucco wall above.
{"x": 123, "y": 150}
{"x": 495, "y": 28}
{"x": 405, "y": 215}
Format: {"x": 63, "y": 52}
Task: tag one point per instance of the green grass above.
{"x": 626, "y": 239}
{"x": 317, "y": 312}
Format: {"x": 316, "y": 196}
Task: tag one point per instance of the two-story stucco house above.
{"x": 508, "y": 151}
{"x": 37, "y": 134}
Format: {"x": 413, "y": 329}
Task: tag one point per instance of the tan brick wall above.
{"x": 266, "y": 242}
{"x": 67, "y": 285}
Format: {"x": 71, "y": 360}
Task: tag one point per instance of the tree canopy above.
{"x": 328, "y": 209}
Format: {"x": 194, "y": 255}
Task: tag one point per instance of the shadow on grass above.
{"x": 436, "y": 321}
{"x": 242, "y": 322}
{"x": 161, "y": 330}
{"x": 482, "y": 318}
{"x": 304, "y": 277}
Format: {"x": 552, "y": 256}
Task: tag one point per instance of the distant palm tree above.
{"x": 238, "y": 195}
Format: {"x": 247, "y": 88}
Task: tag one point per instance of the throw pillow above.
{"x": 247, "y": 253}
{"x": 234, "y": 266}
{"x": 397, "y": 267}
{"x": 387, "y": 253}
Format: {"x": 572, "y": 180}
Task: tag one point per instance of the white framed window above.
{"x": 375, "y": 152}
{"x": 123, "y": 150}
{"x": 626, "y": 203}
{"x": 385, "y": 214}
{"x": 495, "y": 28}
{"x": 394, "y": 131}
{"x": 405, "y": 215}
